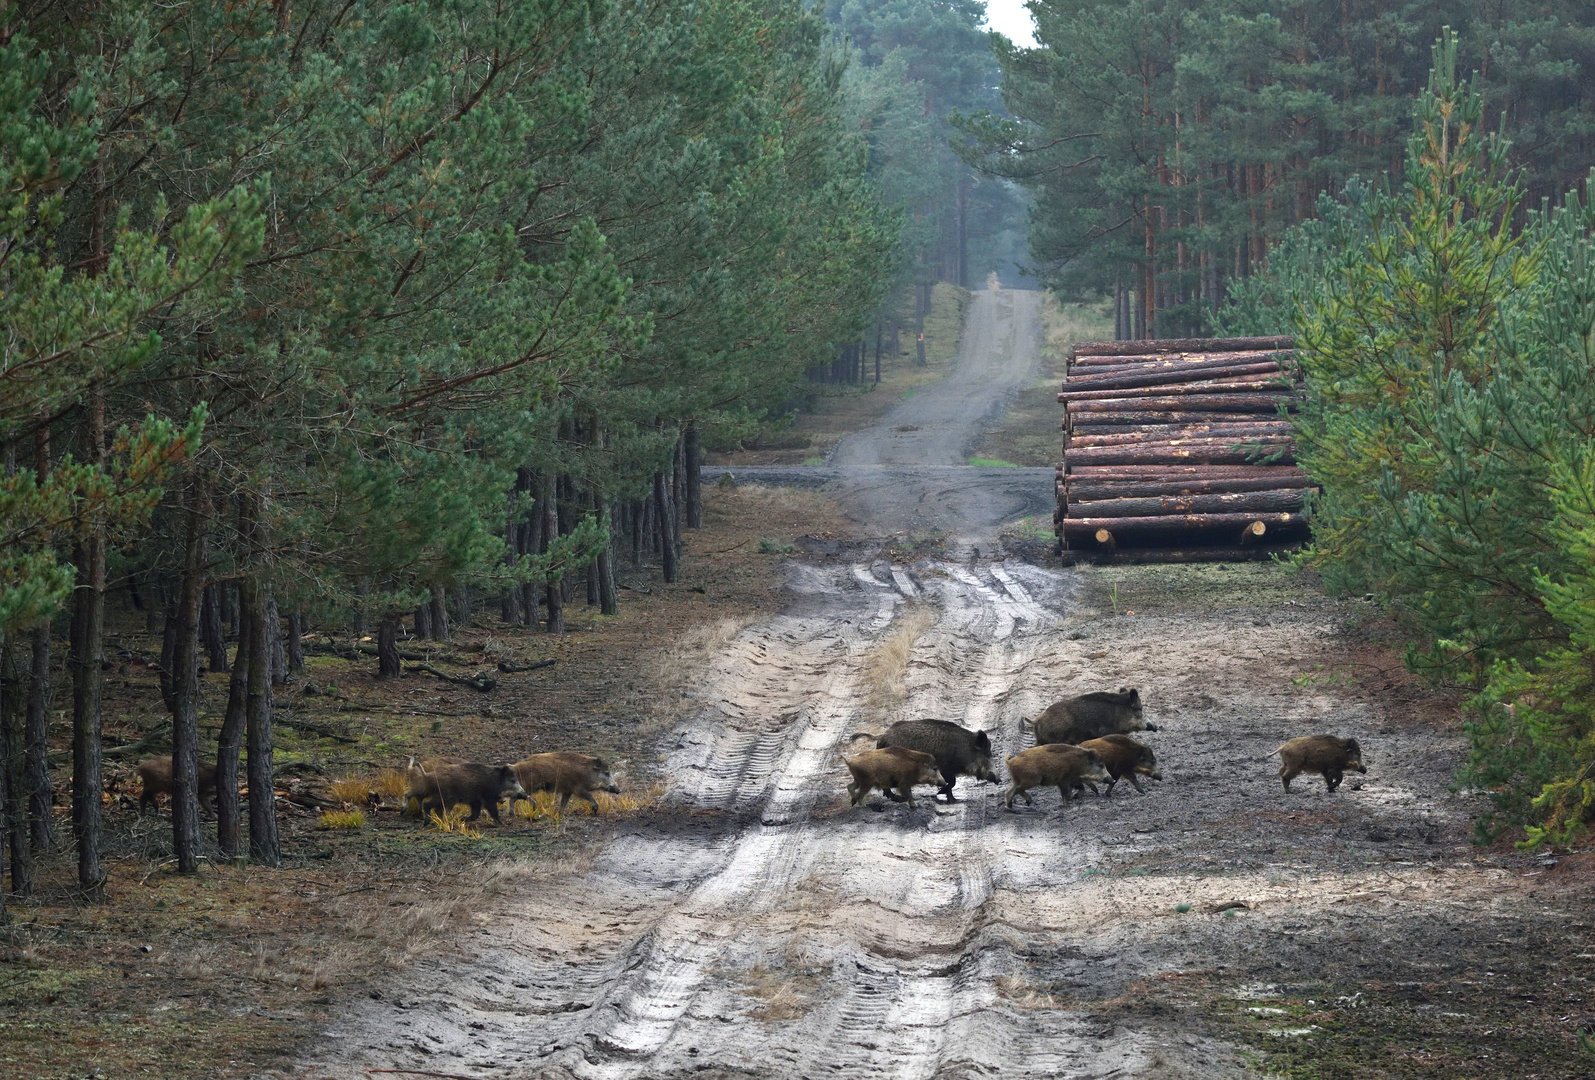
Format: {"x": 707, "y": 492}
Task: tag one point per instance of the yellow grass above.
{"x": 391, "y": 784}
{"x": 343, "y": 819}
{"x": 453, "y": 822}
{"x": 890, "y": 661}
{"x": 545, "y": 804}
{"x": 350, "y": 790}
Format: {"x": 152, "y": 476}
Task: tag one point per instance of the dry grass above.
{"x": 889, "y": 663}
{"x": 391, "y": 784}
{"x": 351, "y": 790}
{"x": 676, "y": 666}
{"x": 343, "y": 819}
{"x": 452, "y": 821}
{"x": 1021, "y": 993}
{"x": 543, "y": 805}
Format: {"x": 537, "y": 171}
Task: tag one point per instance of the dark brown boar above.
{"x": 1123, "y": 757}
{"x": 1090, "y": 716}
{"x": 957, "y": 750}
{"x": 156, "y": 774}
{"x": 1327, "y": 755}
{"x": 566, "y": 775}
{"x": 1057, "y": 765}
{"x": 889, "y": 768}
{"x": 478, "y": 786}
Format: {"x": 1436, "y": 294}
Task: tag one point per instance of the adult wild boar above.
{"x": 1051, "y": 765}
{"x": 1327, "y": 755}
{"x": 888, "y": 768}
{"x": 1123, "y": 757}
{"x": 565, "y": 774}
{"x": 478, "y": 786}
{"x": 156, "y": 775}
{"x": 1090, "y": 716}
{"x": 957, "y": 750}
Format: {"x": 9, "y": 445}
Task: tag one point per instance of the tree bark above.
{"x": 678, "y": 494}
{"x": 1188, "y": 374}
{"x": 440, "y": 614}
{"x": 1243, "y": 385}
{"x": 1237, "y": 502}
{"x": 277, "y": 657}
{"x": 1134, "y": 348}
{"x": 264, "y": 846}
{"x": 41, "y": 796}
{"x": 1135, "y": 421}
{"x": 168, "y": 664}
{"x": 13, "y": 778}
{"x": 608, "y": 595}
{"x": 694, "y": 453}
{"x": 210, "y": 626}
{"x": 1170, "y": 433}
{"x": 228, "y": 744}
{"x": 88, "y": 646}
{"x": 1188, "y": 403}
{"x": 185, "y": 685}
{"x": 388, "y": 647}
{"x": 423, "y": 621}
{"x": 667, "y": 550}
{"x": 1086, "y": 490}
{"x": 1193, "y": 452}
{"x": 1091, "y": 367}
{"x": 1176, "y": 523}
{"x": 296, "y": 642}
{"x": 554, "y": 590}
{"x": 534, "y": 541}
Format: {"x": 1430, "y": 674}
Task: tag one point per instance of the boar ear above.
{"x": 982, "y": 741}
{"x": 1135, "y": 696}
{"x": 599, "y": 766}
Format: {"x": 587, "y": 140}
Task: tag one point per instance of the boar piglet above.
{"x": 156, "y": 775}
{"x": 565, "y": 774}
{"x": 1051, "y": 765}
{"x": 1327, "y": 755}
{"x": 888, "y": 768}
{"x": 957, "y": 750}
{"x": 1123, "y": 758}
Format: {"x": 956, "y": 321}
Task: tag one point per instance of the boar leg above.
{"x": 1136, "y": 780}
{"x": 589, "y": 797}
{"x": 950, "y": 775}
{"x": 1287, "y": 773}
{"x": 1333, "y": 777}
{"x": 564, "y": 801}
{"x": 476, "y": 810}
{"x": 892, "y": 795}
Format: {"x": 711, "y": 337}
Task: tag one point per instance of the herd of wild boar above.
{"x": 1080, "y": 742}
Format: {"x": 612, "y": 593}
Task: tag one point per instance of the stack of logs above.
{"x": 1180, "y": 446}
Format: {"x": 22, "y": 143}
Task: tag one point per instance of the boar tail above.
{"x": 857, "y": 735}
{"x": 1271, "y": 753}
{"x": 1024, "y": 724}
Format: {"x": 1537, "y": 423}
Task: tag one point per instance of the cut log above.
{"x": 1193, "y": 373}
{"x": 1133, "y": 421}
{"x": 1216, "y": 454}
{"x": 1262, "y": 402}
{"x": 1149, "y": 365}
{"x": 1176, "y": 523}
{"x": 1253, "y": 532}
{"x": 1171, "y": 433}
{"x": 1104, "y": 538}
{"x": 1167, "y": 345}
{"x": 1279, "y": 501}
{"x": 1093, "y": 365}
{"x": 1179, "y": 470}
{"x": 1132, "y": 556}
{"x": 1081, "y": 491}
{"x": 1239, "y": 385}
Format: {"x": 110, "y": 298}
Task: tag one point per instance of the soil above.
{"x": 1214, "y": 926}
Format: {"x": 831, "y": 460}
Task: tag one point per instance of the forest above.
{"x": 352, "y": 313}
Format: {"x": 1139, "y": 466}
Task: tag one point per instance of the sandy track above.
{"x": 758, "y": 926}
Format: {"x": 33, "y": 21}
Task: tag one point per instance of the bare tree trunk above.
{"x": 423, "y": 621}
{"x": 210, "y": 628}
{"x": 13, "y": 780}
{"x": 440, "y": 614}
{"x": 185, "y": 685}
{"x": 678, "y": 493}
{"x": 388, "y": 647}
{"x": 168, "y": 654}
{"x": 264, "y": 846}
{"x": 41, "y": 796}
{"x": 608, "y": 595}
{"x": 694, "y": 455}
{"x": 88, "y": 645}
{"x": 228, "y": 744}
{"x": 296, "y": 642}
{"x": 534, "y": 541}
{"x": 277, "y": 656}
{"x": 555, "y": 590}
{"x": 462, "y": 604}
{"x": 663, "y": 516}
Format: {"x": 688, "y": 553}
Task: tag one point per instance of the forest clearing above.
{"x": 696, "y": 539}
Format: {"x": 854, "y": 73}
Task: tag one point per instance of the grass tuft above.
{"x": 890, "y": 661}
{"x": 391, "y": 784}
{"x": 452, "y": 821}
{"x": 991, "y": 463}
{"x": 350, "y": 790}
{"x": 343, "y": 819}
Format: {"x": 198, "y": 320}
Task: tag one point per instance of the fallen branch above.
{"x": 310, "y": 726}
{"x": 515, "y": 669}
{"x": 478, "y": 681}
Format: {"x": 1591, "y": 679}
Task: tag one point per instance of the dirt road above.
{"x": 759, "y": 927}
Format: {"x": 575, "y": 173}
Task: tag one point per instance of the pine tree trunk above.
{"x": 440, "y": 614}
{"x": 168, "y": 663}
{"x": 264, "y": 846}
{"x": 88, "y": 647}
{"x": 185, "y": 686}
{"x": 608, "y": 595}
{"x": 662, "y": 517}
{"x": 534, "y": 541}
{"x": 41, "y": 796}
{"x": 694, "y": 454}
{"x": 423, "y": 622}
{"x": 228, "y": 744}
{"x": 388, "y": 647}
{"x": 678, "y": 493}
{"x": 13, "y": 777}
{"x": 554, "y": 590}
{"x": 296, "y": 643}
{"x": 565, "y": 503}
{"x": 277, "y": 657}
{"x": 210, "y": 628}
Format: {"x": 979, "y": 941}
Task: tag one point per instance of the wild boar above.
{"x": 957, "y": 750}
{"x": 1327, "y": 755}
{"x": 888, "y": 768}
{"x": 478, "y": 786}
{"x": 1090, "y": 716}
{"x": 156, "y": 774}
{"x": 1057, "y": 765}
{"x": 416, "y": 775}
{"x": 1123, "y": 757}
{"x": 565, "y": 774}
